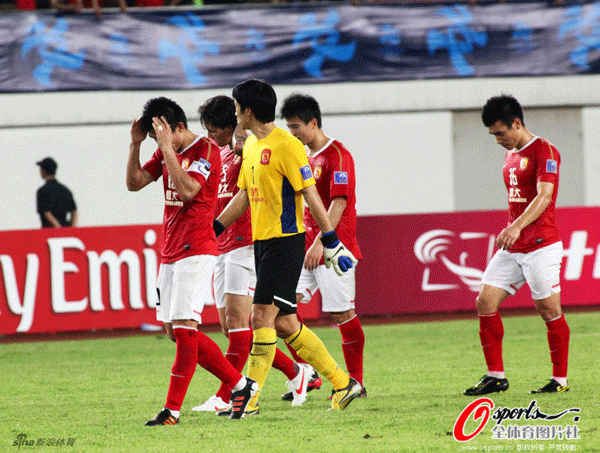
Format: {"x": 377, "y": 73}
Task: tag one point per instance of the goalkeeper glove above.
{"x": 336, "y": 254}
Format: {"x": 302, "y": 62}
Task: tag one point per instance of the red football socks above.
{"x": 491, "y": 333}
{"x": 284, "y": 364}
{"x": 212, "y": 360}
{"x": 240, "y": 343}
{"x": 558, "y": 340}
{"x": 184, "y": 366}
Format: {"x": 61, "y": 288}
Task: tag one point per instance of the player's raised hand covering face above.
{"x": 163, "y": 133}
{"x": 137, "y": 135}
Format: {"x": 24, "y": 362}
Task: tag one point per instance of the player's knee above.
{"x": 483, "y": 304}
{"x": 548, "y": 312}
{"x": 234, "y": 322}
{"x": 343, "y": 316}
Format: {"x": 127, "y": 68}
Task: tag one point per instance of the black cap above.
{"x": 48, "y": 165}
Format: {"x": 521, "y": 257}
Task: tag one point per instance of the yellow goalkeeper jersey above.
{"x": 274, "y": 170}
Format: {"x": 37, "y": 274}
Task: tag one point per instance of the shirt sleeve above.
{"x": 154, "y": 165}
{"x": 296, "y": 167}
{"x": 42, "y": 201}
{"x": 71, "y": 205}
{"x": 341, "y": 175}
{"x": 548, "y": 163}
{"x": 202, "y": 167}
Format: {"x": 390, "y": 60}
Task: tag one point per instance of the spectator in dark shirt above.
{"x": 55, "y": 203}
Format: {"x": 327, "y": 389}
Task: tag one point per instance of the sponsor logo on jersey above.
{"x": 524, "y": 162}
{"x": 306, "y": 172}
{"x": 200, "y": 166}
{"x": 551, "y": 166}
{"x": 265, "y": 157}
{"x": 340, "y": 177}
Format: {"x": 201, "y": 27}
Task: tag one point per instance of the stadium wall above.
{"x": 419, "y": 146}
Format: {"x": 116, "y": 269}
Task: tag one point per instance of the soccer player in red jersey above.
{"x": 190, "y": 166}
{"x": 333, "y": 169}
{"x": 235, "y": 276}
{"x": 530, "y": 248}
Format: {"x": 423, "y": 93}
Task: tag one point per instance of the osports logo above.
{"x": 480, "y": 408}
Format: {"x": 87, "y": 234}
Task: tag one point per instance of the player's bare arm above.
{"x": 236, "y": 207}
{"x": 317, "y": 209}
{"x": 186, "y": 186}
{"x": 538, "y": 205}
{"x": 137, "y": 177}
{"x": 315, "y": 251}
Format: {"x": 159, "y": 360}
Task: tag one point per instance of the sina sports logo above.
{"x": 433, "y": 247}
{"x": 265, "y": 157}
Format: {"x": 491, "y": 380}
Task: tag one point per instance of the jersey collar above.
{"x": 331, "y": 140}
{"x": 535, "y": 137}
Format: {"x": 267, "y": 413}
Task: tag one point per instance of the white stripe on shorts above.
{"x": 285, "y": 301}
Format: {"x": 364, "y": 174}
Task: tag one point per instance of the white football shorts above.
{"x": 540, "y": 269}
{"x": 184, "y": 287}
{"x": 234, "y": 274}
{"x": 337, "y": 291}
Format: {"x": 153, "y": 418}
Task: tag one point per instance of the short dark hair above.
{"x": 504, "y": 108}
{"x": 218, "y": 111}
{"x": 162, "y": 106}
{"x": 259, "y": 96}
{"x": 302, "y": 106}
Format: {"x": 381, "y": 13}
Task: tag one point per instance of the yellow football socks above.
{"x": 261, "y": 357}
{"x": 310, "y": 348}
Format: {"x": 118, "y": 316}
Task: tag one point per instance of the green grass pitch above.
{"x": 95, "y": 395}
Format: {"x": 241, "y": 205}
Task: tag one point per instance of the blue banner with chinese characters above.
{"x": 212, "y": 47}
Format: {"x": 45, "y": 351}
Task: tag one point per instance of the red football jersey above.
{"x": 188, "y": 227}
{"x": 239, "y": 233}
{"x": 538, "y": 161}
{"x": 333, "y": 170}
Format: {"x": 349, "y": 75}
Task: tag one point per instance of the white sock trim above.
{"x": 561, "y": 380}
{"x": 497, "y": 374}
{"x": 240, "y": 384}
{"x": 554, "y": 319}
{"x": 184, "y": 327}
{"x": 243, "y": 329}
{"x": 488, "y": 315}
{"x": 348, "y": 320}
{"x": 174, "y": 413}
